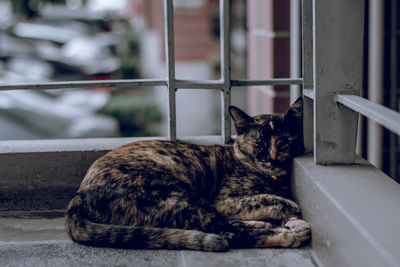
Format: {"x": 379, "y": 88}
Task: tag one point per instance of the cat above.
{"x": 158, "y": 194}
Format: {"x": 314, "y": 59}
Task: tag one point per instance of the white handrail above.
{"x": 384, "y": 116}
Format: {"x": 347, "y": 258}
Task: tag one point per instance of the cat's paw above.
{"x": 300, "y": 229}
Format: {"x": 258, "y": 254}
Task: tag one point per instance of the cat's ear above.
{"x": 295, "y": 113}
{"x": 240, "y": 118}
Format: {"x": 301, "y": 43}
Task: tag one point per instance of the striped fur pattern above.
{"x": 176, "y": 195}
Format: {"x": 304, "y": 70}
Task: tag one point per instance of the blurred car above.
{"x": 53, "y": 48}
{"x": 69, "y": 114}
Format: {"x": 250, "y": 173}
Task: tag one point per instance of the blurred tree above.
{"x": 137, "y": 116}
{"x": 130, "y": 60}
{"x": 26, "y": 9}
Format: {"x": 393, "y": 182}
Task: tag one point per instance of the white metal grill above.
{"x": 170, "y": 82}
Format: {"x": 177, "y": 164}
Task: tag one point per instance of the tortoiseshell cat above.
{"x": 176, "y": 195}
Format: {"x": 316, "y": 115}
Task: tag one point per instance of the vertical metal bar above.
{"x": 338, "y": 56}
{"x": 393, "y": 88}
{"x": 225, "y": 52}
{"x": 295, "y": 54}
{"x": 170, "y": 66}
{"x": 307, "y": 69}
{"x": 307, "y": 43}
{"x": 375, "y": 79}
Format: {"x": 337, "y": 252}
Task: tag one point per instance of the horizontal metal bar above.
{"x": 218, "y": 84}
{"x": 82, "y": 84}
{"x": 277, "y": 81}
{"x": 308, "y": 93}
{"x": 203, "y": 84}
{"x": 382, "y": 115}
{"x": 181, "y": 84}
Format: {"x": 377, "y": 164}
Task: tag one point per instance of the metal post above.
{"x": 170, "y": 64}
{"x": 307, "y": 68}
{"x": 338, "y": 53}
{"x": 375, "y": 79}
{"x": 393, "y": 89}
{"x": 225, "y": 51}
{"x": 295, "y": 53}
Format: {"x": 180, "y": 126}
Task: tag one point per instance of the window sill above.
{"x": 353, "y": 210}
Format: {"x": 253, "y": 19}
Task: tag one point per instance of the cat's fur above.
{"x": 176, "y": 195}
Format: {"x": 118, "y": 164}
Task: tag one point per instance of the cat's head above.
{"x": 266, "y": 141}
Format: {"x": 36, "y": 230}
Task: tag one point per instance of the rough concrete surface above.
{"x": 37, "y": 241}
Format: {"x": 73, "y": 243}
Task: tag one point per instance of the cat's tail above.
{"x": 89, "y": 233}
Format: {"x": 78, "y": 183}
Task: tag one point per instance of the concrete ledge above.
{"x": 44, "y": 174}
{"x": 354, "y": 212}
{"x": 43, "y": 180}
{"x": 89, "y": 144}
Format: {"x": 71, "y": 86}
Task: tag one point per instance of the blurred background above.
{"x": 69, "y": 40}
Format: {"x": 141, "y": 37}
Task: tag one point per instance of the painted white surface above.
{"x": 353, "y": 212}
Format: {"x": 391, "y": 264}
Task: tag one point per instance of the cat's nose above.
{"x": 273, "y": 154}
{"x": 273, "y": 151}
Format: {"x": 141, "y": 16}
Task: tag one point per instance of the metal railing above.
{"x": 333, "y": 38}
{"x": 224, "y": 84}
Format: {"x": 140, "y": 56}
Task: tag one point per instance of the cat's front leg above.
{"x": 285, "y": 237}
{"x": 260, "y": 207}
{"x": 295, "y": 233}
{"x": 251, "y": 224}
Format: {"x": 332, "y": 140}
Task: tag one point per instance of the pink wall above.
{"x": 268, "y": 53}
{"x": 193, "y": 38}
